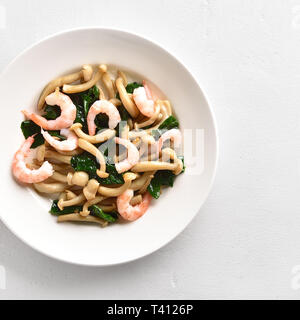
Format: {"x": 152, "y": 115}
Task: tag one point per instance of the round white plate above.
{"x": 25, "y": 213}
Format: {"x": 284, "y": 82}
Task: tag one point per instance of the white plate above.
{"x": 26, "y": 214}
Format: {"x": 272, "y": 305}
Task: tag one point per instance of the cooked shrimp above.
{"x": 132, "y": 158}
{"x": 148, "y": 90}
{"x": 67, "y": 145}
{"x": 65, "y": 120}
{"x": 173, "y": 135}
{"x": 132, "y": 213}
{"x": 24, "y": 174}
{"x": 143, "y": 100}
{"x": 103, "y": 106}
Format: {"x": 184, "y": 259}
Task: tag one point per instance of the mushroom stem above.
{"x": 70, "y": 78}
{"x": 76, "y": 88}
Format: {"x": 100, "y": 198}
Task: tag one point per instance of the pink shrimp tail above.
{"x": 28, "y": 143}
{"x": 148, "y": 90}
{"x": 129, "y": 212}
{"x": 24, "y": 149}
{"x": 22, "y": 173}
{"x": 26, "y": 114}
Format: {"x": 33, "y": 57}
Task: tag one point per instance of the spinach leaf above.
{"x": 57, "y": 212}
{"x": 88, "y": 163}
{"x": 154, "y": 188}
{"x": 52, "y": 112}
{"x": 99, "y": 213}
{"x": 161, "y": 178}
{"x": 86, "y": 104}
{"x": 101, "y": 121}
{"x": 80, "y": 117}
{"x": 83, "y": 101}
{"x": 94, "y": 92}
{"x": 75, "y": 97}
{"x": 165, "y": 178}
{"x": 130, "y": 88}
{"x": 56, "y": 133}
{"x": 169, "y": 123}
{"x": 123, "y": 113}
{"x": 85, "y": 162}
{"x": 113, "y": 178}
{"x": 29, "y": 128}
{"x": 89, "y": 97}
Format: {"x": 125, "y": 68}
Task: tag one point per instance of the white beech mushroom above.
{"x": 91, "y": 189}
{"x": 115, "y": 192}
{"x": 76, "y": 217}
{"x": 126, "y": 99}
{"x": 87, "y": 146}
{"x": 70, "y": 78}
{"x": 76, "y": 88}
{"x": 73, "y": 202}
{"x": 50, "y": 187}
{"x": 79, "y": 178}
{"x": 98, "y": 138}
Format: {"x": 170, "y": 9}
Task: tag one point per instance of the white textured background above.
{"x": 246, "y": 238}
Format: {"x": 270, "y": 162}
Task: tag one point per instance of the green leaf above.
{"x": 123, "y": 113}
{"x": 88, "y": 163}
{"x": 113, "y": 178}
{"x": 83, "y": 101}
{"x": 85, "y": 162}
{"x": 166, "y": 178}
{"x": 86, "y": 104}
{"x": 169, "y": 123}
{"x": 80, "y": 115}
{"x": 89, "y": 97}
{"x": 29, "y": 128}
{"x": 130, "y": 88}
{"x": 101, "y": 121}
{"x": 81, "y": 118}
{"x": 68, "y": 210}
{"x": 94, "y": 92}
{"x": 56, "y": 133}
{"x": 154, "y": 188}
{"x": 52, "y": 112}
{"x": 161, "y": 178}
{"x": 99, "y": 213}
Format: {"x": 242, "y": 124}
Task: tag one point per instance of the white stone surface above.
{"x": 246, "y": 238}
